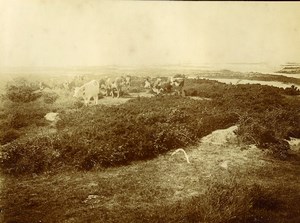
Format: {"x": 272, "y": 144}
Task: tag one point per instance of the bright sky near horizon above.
{"x": 96, "y": 33}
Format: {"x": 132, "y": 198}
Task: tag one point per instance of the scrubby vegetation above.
{"x": 267, "y": 117}
{"x": 24, "y": 106}
{"x": 21, "y": 90}
{"x": 109, "y": 136}
{"x": 143, "y": 128}
{"x": 158, "y": 190}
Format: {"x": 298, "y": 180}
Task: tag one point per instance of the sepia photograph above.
{"x": 149, "y": 111}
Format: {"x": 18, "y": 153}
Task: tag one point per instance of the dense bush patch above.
{"x": 108, "y": 136}
{"x": 20, "y": 90}
{"x": 33, "y": 155}
{"x": 267, "y": 117}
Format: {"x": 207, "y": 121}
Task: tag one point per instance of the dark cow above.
{"x": 113, "y": 87}
{"x": 177, "y": 85}
{"x": 117, "y": 85}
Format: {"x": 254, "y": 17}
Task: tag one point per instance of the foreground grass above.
{"x": 166, "y": 189}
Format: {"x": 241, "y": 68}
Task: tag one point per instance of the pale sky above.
{"x": 96, "y": 33}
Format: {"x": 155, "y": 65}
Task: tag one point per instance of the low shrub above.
{"x": 204, "y": 88}
{"x": 20, "y": 90}
{"x": 33, "y": 155}
{"x": 19, "y": 115}
{"x": 270, "y": 130}
{"x": 293, "y": 90}
{"x": 50, "y": 97}
{"x": 8, "y": 135}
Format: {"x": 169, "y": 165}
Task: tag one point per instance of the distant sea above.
{"x": 70, "y": 71}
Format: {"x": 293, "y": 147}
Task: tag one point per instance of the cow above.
{"x": 102, "y": 86}
{"x": 164, "y": 86}
{"x": 170, "y": 85}
{"x": 117, "y": 85}
{"x": 88, "y": 91}
{"x": 157, "y": 85}
{"x": 127, "y": 81}
{"x": 177, "y": 85}
{"x": 147, "y": 84}
{"x": 112, "y": 86}
{"x": 107, "y": 86}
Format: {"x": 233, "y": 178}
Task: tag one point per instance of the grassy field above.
{"x": 114, "y": 162}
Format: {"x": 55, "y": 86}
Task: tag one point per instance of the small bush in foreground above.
{"x": 270, "y": 130}
{"x": 35, "y": 155}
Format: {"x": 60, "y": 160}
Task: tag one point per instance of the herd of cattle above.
{"x": 114, "y": 87}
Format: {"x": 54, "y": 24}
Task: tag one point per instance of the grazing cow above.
{"x": 165, "y": 87}
{"x": 107, "y": 86}
{"x": 88, "y": 91}
{"x": 113, "y": 86}
{"x": 128, "y": 81}
{"x": 160, "y": 86}
{"x": 157, "y": 85}
{"x": 177, "y": 85}
{"x": 147, "y": 84}
{"x": 102, "y": 85}
{"x": 117, "y": 85}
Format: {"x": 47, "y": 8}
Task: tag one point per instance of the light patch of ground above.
{"x": 219, "y": 151}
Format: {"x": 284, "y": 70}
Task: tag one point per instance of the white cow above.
{"x": 88, "y": 91}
